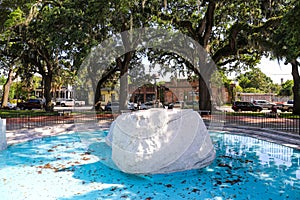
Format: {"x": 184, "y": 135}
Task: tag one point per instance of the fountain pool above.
{"x": 64, "y": 167}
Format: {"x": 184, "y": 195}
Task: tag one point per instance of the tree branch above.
{"x": 209, "y": 16}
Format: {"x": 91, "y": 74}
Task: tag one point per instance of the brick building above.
{"x": 172, "y": 91}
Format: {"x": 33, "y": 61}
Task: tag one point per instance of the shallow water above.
{"x": 72, "y": 167}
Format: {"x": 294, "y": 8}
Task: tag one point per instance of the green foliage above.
{"x": 15, "y": 18}
{"x": 24, "y": 89}
{"x": 255, "y": 81}
{"x": 286, "y": 43}
{"x": 238, "y": 88}
{"x": 251, "y": 90}
{"x": 53, "y": 37}
{"x": 286, "y": 88}
{"x": 2, "y": 80}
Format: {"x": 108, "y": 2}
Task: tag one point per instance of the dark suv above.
{"x": 31, "y": 104}
{"x": 239, "y": 106}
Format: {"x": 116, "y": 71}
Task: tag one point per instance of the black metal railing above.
{"x": 30, "y": 120}
{"x": 285, "y": 122}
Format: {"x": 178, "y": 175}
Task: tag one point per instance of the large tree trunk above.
{"x": 97, "y": 97}
{"x": 123, "y": 84}
{"x": 204, "y": 96}
{"x": 6, "y": 88}
{"x": 47, "y": 92}
{"x": 123, "y": 90}
{"x": 296, "y": 87}
{"x": 124, "y": 66}
{"x": 104, "y": 78}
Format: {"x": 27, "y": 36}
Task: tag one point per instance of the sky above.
{"x": 276, "y": 71}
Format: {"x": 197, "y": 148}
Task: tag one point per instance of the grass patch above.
{"x": 288, "y": 115}
{"x": 35, "y": 113}
{"x": 22, "y": 113}
{"x": 249, "y": 114}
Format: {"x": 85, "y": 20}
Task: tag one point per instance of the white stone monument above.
{"x": 159, "y": 141}
{"x": 3, "y": 143}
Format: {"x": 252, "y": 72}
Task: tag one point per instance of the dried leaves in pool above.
{"x": 224, "y": 165}
{"x": 232, "y": 182}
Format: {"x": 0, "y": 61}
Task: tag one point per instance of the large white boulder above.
{"x": 160, "y": 141}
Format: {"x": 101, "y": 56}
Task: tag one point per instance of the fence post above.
{"x": 3, "y": 142}
{"x": 299, "y": 125}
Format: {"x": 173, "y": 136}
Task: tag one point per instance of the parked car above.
{"x": 288, "y": 106}
{"x": 58, "y": 100}
{"x": 112, "y": 106}
{"x": 146, "y": 105}
{"x": 31, "y": 104}
{"x": 132, "y": 106}
{"x": 71, "y": 102}
{"x": 9, "y": 106}
{"x": 115, "y": 106}
{"x": 264, "y": 104}
{"x": 191, "y": 105}
{"x": 239, "y": 106}
{"x": 178, "y": 104}
{"x": 168, "y": 105}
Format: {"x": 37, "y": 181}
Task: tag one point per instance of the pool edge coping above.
{"x": 278, "y": 137}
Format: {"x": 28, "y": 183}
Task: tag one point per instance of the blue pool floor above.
{"x": 69, "y": 167}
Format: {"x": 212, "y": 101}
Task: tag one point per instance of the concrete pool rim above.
{"x": 279, "y": 137}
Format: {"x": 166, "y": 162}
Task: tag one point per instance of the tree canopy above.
{"x": 255, "y": 81}
{"x": 47, "y": 37}
{"x": 287, "y": 88}
{"x": 285, "y": 45}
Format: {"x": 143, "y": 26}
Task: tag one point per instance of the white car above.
{"x": 71, "y": 102}
{"x": 10, "y": 106}
{"x": 264, "y": 104}
{"x": 147, "y": 105}
{"x": 132, "y": 106}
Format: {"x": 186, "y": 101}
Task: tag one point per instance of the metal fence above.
{"x": 30, "y": 121}
{"x": 285, "y": 122}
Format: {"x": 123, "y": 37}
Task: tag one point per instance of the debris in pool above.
{"x": 159, "y": 141}
{"x": 232, "y": 182}
{"x": 195, "y": 190}
{"x": 224, "y": 165}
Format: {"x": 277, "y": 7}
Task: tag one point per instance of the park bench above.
{"x": 204, "y": 112}
{"x": 64, "y": 112}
